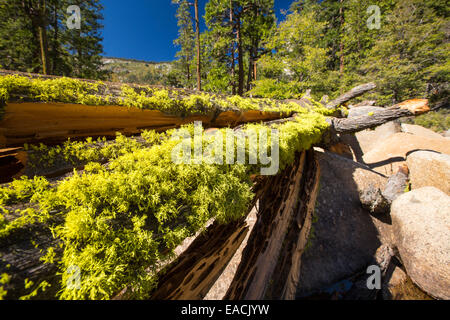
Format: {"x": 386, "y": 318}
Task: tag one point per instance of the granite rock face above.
{"x": 345, "y": 237}
{"x": 388, "y": 155}
{"x": 421, "y": 231}
{"x": 420, "y": 131}
{"x": 429, "y": 169}
{"x": 364, "y": 141}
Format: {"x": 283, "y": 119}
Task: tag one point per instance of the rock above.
{"x": 373, "y": 200}
{"x": 363, "y": 104}
{"x": 396, "y": 184}
{"x": 345, "y": 236}
{"x": 389, "y": 154}
{"x": 420, "y": 131}
{"x": 429, "y": 169}
{"x": 400, "y": 287}
{"x": 397, "y": 279}
{"x": 364, "y": 141}
{"x": 362, "y": 111}
{"x": 447, "y": 134}
{"x": 421, "y": 225}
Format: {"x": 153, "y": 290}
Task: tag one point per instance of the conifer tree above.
{"x": 185, "y": 40}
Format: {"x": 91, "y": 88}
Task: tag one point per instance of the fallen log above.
{"x": 284, "y": 219}
{"x": 36, "y": 111}
{"x": 407, "y": 108}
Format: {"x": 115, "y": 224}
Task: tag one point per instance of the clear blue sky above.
{"x": 145, "y": 29}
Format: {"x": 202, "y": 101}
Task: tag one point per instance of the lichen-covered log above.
{"x": 271, "y": 256}
{"x": 51, "y": 109}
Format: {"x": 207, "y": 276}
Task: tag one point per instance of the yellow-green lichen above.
{"x": 67, "y": 90}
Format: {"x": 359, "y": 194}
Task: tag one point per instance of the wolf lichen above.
{"x": 92, "y": 93}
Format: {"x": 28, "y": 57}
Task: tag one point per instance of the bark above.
{"x": 353, "y": 93}
{"x": 240, "y": 58}
{"x": 197, "y": 31}
{"x": 233, "y": 60}
{"x": 341, "y": 45}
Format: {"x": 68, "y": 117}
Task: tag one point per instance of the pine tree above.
{"x": 238, "y": 26}
{"x": 34, "y": 37}
{"x": 185, "y": 40}
{"x": 258, "y": 22}
{"x": 19, "y": 47}
{"x": 84, "y": 45}
{"x": 296, "y": 58}
{"x": 411, "y": 57}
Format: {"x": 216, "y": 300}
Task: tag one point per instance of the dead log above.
{"x": 353, "y": 93}
{"x": 338, "y": 126}
{"x": 405, "y": 109}
{"x": 270, "y": 262}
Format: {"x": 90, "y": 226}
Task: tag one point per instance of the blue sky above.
{"x": 145, "y": 29}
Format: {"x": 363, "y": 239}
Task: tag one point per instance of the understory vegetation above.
{"x": 438, "y": 121}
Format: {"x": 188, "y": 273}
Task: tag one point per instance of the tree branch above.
{"x": 405, "y": 109}
{"x": 353, "y": 93}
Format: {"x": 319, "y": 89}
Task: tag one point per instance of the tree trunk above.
{"x": 341, "y": 46}
{"x": 240, "y": 58}
{"x": 43, "y": 45}
{"x": 38, "y": 17}
{"x": 55, "y": 39}
{"x": 197, "y": 31}
{"x": 250, "y": 72}
{"x": 188, "y": 71}
{"x": 255, "y": 70}
{"x": 42, "y": 12}
{"x": 233, "y": 61}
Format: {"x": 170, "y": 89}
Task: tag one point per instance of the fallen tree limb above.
{"x": 353, "y": 93}
{"x": 405, "y": 109}
{"x": 351, "y": 125}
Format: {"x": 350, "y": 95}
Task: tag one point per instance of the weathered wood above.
{"x": 265, "y": 243}
{"x": 284, "y": 283}
{"x": 194, "y": 272}
{"x": 20, "y": 256}
{"x": 405, "y": 109}
{"x": 270, "y": 260}
{"x": 353, "y": 93}
{"x": 379, "y": 202}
